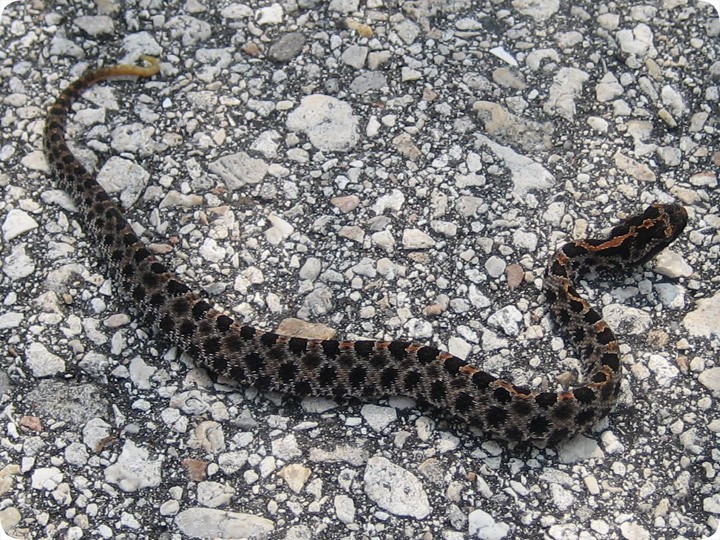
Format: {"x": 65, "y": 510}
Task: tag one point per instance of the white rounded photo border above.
{"x": 5, "y": 3}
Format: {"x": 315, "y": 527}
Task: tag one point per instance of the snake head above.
{"x": 676, "y": 217}
{"x": 652, "y": 231}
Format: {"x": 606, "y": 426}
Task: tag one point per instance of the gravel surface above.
{"x": 384, "y": 169}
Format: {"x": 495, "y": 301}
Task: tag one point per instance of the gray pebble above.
{"x": 287, "y": 47}
{"x": 95, "y": 25}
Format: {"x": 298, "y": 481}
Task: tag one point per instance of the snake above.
{"x": 367, "y": 369}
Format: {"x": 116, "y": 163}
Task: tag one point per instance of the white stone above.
{"x": 140, "y": 373}
{"x": 526, "y": 174}
{"x": 566, "y": 87}
{"x": 672, "y": 264}
{"x": 598, "y": 124}
{"x": 704, "y": 179}
{"x": 503, "y": 55}
{"x": 237, "y": 11}
{"x": 377, "y": 417}
{"x": 417, "y": 239}
{"x": 525, "y": 240}
{"x": 11, "y": 319}
{"x": 562, "y": 498}
{"x": 395, "y": 489}
{"x": 267, "y": 143}
{"x": 495, "y": 266}
{"x": 189, "y": 30}
{"x": 272, "y": 14}
{"x": 672, "y": 99}
{"x": 42, "y": 362}
{"x": 665, "y": 372}
{"x": 210, "y": 251}
{"x": 214, "y": 494}
{"x": 200, "y": 522}
{"x": 634, "y": 531}
{"x": 393, "y": 201}
{"x": 18, "y": 264}
{"x": 134, "y": 470}
{"x": 328, "y": 122}
{"x": 46, "y": 478}
{"x": 120, "y": 175}
{"x": 609, "y": 21}
{"x": 285, "y": 448}
{"x": 239, "y": 169}
{"x": 279, "y": 231}
{"x": 311, "y": 269}
{"x": 17, "y": 222}
{"x": 95, "y": 25}
{"x": 540, "y": 10}
{"x": 94, "y": 432}
{"x": 712, "y": 504}
{"x": 507, "y": 319}
{"x": 459, "y": 347}
{"x": 579, "y": 449}
{"x": 627, "y": 319}
{"x": 638, "y": 41}
{"x": 671, "y": 295}
{"x": 608, "y": 88}
{"x": 535, "y": 57}
{"x": 344, "y": 508}
{"x": 710, "y": 379}
{"x": 354, "y": 56}
{"x": 704, "y": 321}
{"x": 482, "y": 525}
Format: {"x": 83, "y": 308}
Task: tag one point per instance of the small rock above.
{"x": 378, "y": 417}
{"x": 344, "y": 508}
{"x": 354, "y": 56}
{"x": 295, "y": 475}
{"x": 327, "y": 121}
{"x": 394, "y": 489}
{"x": 239, "y": 169}
{"x": 347, "y": 203}
{"x": 671, "y": 264}
{"x": 710, "y": 379}
{"x": 311, "y": 269}
{"x": 133, "y": 470}
{"x": 201, "y": 522}
{"x": 42, "y": 362}
{"x": 17, "y": 222}
{"x": 18, "y": 264}
{"x": 279, "y": 231}
{"x": 507, "y": 319}
{"x": 608, "y": 88}
{"x": 287, "y": 47}
{"x": 483, "y": 525}
{"x": 95, "y": 25}
{"x": 495, "y": 266}
{"x": 416, "y": 239}
{"x": 633, "y": 168}
{"x": 704, "y": 321}
{"x": 514, "y": 274}
{"x": 272, "y": 14}
{"x": 566, "y": 87}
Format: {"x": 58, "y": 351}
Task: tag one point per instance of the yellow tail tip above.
{"x": 140, "y": 71}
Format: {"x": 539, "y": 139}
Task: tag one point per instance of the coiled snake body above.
{"x": 368, "y": 369}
